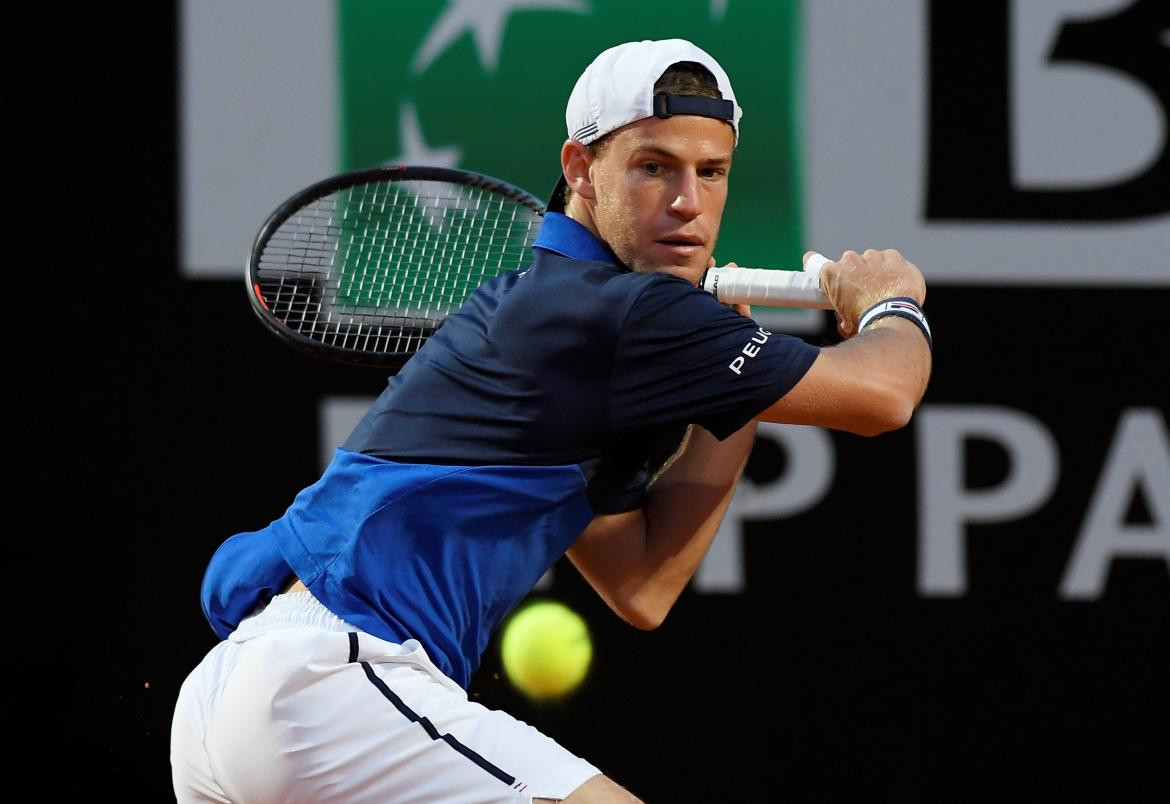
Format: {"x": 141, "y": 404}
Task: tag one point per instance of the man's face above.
{"x": 660, "y": 189}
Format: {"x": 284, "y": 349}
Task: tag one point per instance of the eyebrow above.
{"x": 654, "y": 149}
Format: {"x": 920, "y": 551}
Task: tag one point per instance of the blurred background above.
{"x": 975, "y": 607}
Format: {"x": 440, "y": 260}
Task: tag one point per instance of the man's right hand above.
{"x": 856, "y": 282}
{"x": 867, "y": 385}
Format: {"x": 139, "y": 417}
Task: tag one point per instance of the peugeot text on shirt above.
{"x": 760, "y": 338}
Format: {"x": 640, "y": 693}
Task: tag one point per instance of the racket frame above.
{"x": 333, "y": 184}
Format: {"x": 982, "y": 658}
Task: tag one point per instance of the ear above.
{"x": 575, "y": 162}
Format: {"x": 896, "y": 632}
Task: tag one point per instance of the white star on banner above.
{"x": 485, "y": 19}
{"x": 413, "y": 151}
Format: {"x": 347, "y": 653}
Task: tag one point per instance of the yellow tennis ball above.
{"x": 546, "y": 649}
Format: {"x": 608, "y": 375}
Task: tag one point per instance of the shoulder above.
{"x": 580, "y": 283}
{"x": 666, "y": 298}
{"x": 553, "y": 265}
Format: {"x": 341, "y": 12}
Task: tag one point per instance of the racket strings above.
{"x": 377, "y": 267}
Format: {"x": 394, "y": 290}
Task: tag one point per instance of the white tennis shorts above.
{"x": 299, "y": 706}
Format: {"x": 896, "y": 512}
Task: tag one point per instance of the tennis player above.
{"x": 352, "y": 624}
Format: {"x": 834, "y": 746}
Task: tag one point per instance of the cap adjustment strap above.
{"x": 668, "y": 105}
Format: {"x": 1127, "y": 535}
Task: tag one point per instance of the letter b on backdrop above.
{"x": 977, "y": 107}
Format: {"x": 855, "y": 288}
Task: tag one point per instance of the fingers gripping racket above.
{"x": 363, "y": 267}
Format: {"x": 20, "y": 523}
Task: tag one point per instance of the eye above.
{"x": 653, "y": 168}
{"x": 712, "y": 173}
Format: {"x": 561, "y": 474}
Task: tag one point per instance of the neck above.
{"x": 582, "y": 213}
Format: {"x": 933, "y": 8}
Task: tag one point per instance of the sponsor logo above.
{"x": 750, "y": 350}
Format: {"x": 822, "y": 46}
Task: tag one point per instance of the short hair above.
{"x": 680, "y": 78}
{"x": 687, "y": 78}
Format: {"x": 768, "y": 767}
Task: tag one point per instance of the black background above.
{"x": 828, "y": 679}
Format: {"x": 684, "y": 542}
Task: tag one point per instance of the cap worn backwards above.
{"x": 617, "y": 89}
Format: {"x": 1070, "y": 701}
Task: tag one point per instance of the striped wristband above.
{"x": 902, "y": 307}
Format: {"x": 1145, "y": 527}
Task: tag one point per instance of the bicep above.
{"x": 682, "y": 357}
{"x": 821, "y": 397}
{"x": 867, "y": 385}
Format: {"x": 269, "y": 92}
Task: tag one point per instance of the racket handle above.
{"x": 766, "y": 286}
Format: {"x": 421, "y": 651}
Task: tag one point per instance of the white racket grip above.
{"x": 766, "y": 286}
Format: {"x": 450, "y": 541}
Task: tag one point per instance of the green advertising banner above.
{"x": 482, "y": 85}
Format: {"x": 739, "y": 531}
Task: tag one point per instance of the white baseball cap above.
{"x": 617, "y": 89}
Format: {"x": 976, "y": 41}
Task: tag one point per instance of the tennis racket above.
{"x": 362, "y": 268}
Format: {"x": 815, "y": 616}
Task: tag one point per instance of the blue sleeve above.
{"x": 683, "y": 357}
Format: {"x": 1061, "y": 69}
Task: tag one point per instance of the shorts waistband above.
{"x": 292, "y": 610}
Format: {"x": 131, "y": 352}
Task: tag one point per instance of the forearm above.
{"x": 683, "y": 513}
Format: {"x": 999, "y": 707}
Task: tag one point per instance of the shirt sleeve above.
{"x": 683, "y": 357}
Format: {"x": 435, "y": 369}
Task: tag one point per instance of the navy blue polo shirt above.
{"x": 531, "y": 410}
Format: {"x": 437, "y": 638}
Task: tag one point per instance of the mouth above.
{"x": 682, "y": 245}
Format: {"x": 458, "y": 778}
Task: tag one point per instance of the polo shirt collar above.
{"x": 563, "y": 235}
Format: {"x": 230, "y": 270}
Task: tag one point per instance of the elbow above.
{"x": 888, "y": 413}
{"x": 644, "y": 618}
{"x": 897, "y": 416}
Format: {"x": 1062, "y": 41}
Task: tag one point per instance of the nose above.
{"x": 686, "y": 201}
